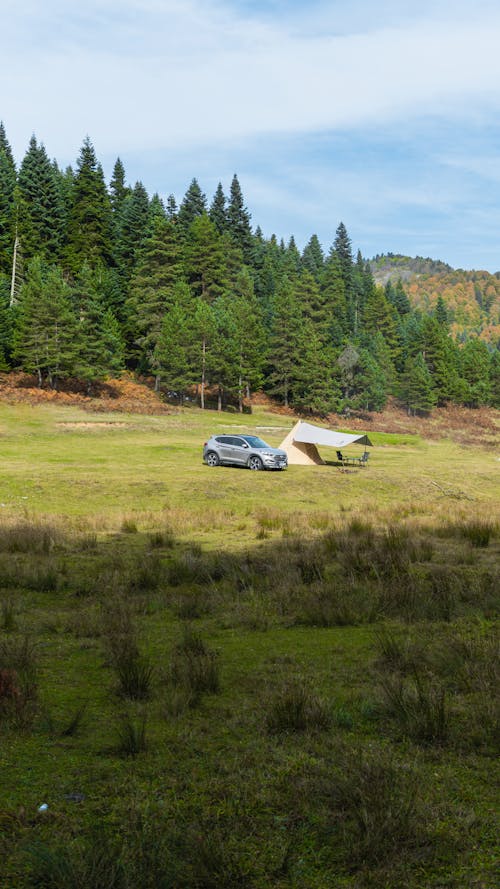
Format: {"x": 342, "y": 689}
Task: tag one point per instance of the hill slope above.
{"x": 471, "y": 297}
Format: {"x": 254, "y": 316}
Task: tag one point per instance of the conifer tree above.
{"x": 45, "y": 336}
{"x": 238, "y": 219}
{"x": 217, "y": 212}
{"x": 193, "y": 205}
{"x": 100, "y": 345}
{"x": 397, "y": 296}
{"x": 7, "y": 203}
{"x": 204, "y": 329}
{"x": 475, "y": 370}
{"x": 159, "y": 269}
{"x": 171, "y": 209}
{"x": 370, "y": 389}
{"x": 40, "y": 212}
{"x": 316, "y": 386}
{"x": 285, "y": 343}
{"x": 132, "y": 229}
{"x": 334, "y": 294}
{"x": 343, "y": 251}
{"x": 118, "y": 187}
{"x": 89, "y": 235}
{"x": 249, "y": 335}
{"x": 313, "y": 258}
{"x": 380, "y": 317}
{"x": 415, "y": 387}
{"x": 205, "y": 260}
{"x": 174, "y": 347}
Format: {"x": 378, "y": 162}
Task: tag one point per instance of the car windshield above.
{"x": 255, "y": 442}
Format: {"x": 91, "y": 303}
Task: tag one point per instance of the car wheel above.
{"x": 255, "y": 463}
{"x": 212, "y": 459}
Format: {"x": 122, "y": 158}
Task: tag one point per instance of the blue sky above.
{"x": 383, "y": 115}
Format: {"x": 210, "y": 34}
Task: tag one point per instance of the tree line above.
{"x": 97, "y": 279}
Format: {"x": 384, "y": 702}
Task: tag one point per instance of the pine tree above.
{"x": 313, "y": 258}
{"x": 343, "y": 250}
{"x": 40, "y": 211}
{"x": 247, "y": 325}
{"x": 171, "y": 209}
{"x": 441, "y": 312}
{"x": 204, "y": 260}
{"x": 316, "y": 386}
{"x": 45, "y": 336}
{"x": 89, "y": 234}
{"x": 7, "y": 203}
{"x": 118, "y": 187}
{"x": 370, "y": 385}
{"x": 285, "y": 343}
{"x": 132, "y": 229}
{"x": 397, "y": 297}
{"x": 415, "y": 388}
{"x": 333, "y": 292}
{"x": 217, "y": 212}
{"x": 193, "y": 205}
{"x": 380, "y": 317}
{"x": 204, "y": 329}
{"x": 238, "y": 219}
{"x": 174, "y": 347}
{"x": 101, "y": 350}
{"x": 475, "y": 368}
{"x": 159, "y": 269}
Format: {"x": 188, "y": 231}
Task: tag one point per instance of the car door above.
{"x": 240, "y": 450}
{"x": 225, "y": 448}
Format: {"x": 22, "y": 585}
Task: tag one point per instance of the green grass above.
{"x": 239, "y": 679}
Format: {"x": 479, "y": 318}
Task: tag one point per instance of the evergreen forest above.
{"x": 97, "y": 279}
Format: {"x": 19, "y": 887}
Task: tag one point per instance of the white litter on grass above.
{"x": 43, "y": 807}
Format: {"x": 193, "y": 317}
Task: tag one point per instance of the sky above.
{"x": 385, "y": 116}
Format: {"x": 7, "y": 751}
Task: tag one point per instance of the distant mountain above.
{"x": 472, "y": 298}
{"x": 392, "y": 266}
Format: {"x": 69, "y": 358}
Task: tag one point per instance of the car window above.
{"x": 223, "y": 439}
{"x": 239, "y": 442}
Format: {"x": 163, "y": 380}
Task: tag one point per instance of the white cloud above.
{"x": 146, "y": 74}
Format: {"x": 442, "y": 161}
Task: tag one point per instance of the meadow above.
{"x": 222, "y": 678}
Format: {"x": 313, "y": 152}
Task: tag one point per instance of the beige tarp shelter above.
{"x": 301, "y": 443}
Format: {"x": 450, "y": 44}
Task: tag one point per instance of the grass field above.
{"x": 219, "y": 678}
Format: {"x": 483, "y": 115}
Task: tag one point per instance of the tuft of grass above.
{"x": 419, "y": 705}
{"x": 295, "y": 707}
{"x": 30, "y": 537}
{"x": 194, "y": 666}
{"x": 478, "y": 533}
{"x": 129, "y": 526}
{"x": 376, "y": 804}
{"x": 94, "y": 864}
{"x": 131, "y": 734}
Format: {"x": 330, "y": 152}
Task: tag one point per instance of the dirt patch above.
{"x": 123, "y": 396}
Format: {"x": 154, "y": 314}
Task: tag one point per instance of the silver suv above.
{"x": 243, "y": 450}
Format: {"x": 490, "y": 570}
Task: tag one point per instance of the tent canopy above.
{"x": 306, "y": 432}
{"x": 300, "y": 444}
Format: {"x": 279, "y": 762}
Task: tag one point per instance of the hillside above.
{"x": 471, "y": 297}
